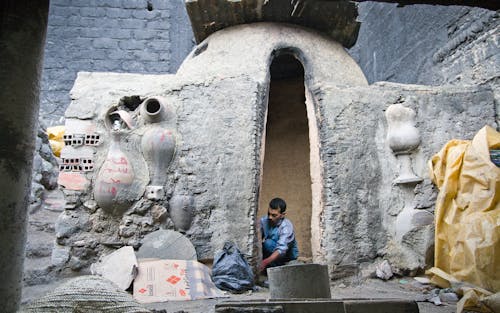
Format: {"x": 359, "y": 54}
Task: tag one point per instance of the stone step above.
{"x": 38, "y": 271}
{"x": 318, "y": 306}
{"x": 39, "y": 244}
{"x": 43, "y": 219}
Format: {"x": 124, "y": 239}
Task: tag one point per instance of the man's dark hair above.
{"x": 278, "y": 203}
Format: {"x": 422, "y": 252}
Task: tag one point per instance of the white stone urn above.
{"x": 403, "y": 138}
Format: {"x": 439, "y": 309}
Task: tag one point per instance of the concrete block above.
{"x": 117, "y": 13}
{"x": 57, "y": 21}
{"x": 109, "y": 23}
{"x": 132, "y": 23}
{"x": 318, "y": 306}
{"x": 121, "y": 34}
{"x": 133, "y": 66}
{"x": 134, "y": 4}
{"x": 146, "y": 56}
{"x": 245, "y": 308}
{"x": 144, "y": 34}
{"x": 105, "y": 43}
{"x": 133, "y": 45}
{"x": 79, "y": 3}
{"x": 111, "y": 3}
{"x": 146, "y": 15}
{"x": 161, "y": 5}
{"x": 89, "y": 32}
{"x": 120, "y": 55}
{"x": 380, "y": 306}
{"x": 295, "y": 281}
{"x": 93, "y": 12}
{"x": 57, "y": 10}
{"x": 157, "y": 25}
{"x": 159, "y": 45}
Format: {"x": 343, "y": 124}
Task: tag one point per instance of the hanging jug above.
{"x": 113, "y": 182}
{"x": 158, "y": 148}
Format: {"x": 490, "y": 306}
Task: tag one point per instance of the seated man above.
{"x": 278, "y": 238}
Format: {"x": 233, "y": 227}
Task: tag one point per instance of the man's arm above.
{"x": 273, "y": 257}
{"x": 286, "y": 235}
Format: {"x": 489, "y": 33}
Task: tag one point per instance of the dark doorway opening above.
{"x": 286, "y": 166}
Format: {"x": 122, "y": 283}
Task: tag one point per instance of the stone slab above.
{"x": 120, "y": 267}
{"x": 319, "y": 306}
{"x": 166, "y": 245}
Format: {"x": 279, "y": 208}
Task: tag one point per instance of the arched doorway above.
{"x": 286, "y": 165}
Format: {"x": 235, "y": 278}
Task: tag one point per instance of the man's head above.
{"x": 276, "y": 210}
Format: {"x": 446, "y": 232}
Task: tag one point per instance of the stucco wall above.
{"x": 220, "y": 122}
{"x": 361, "y": 200}
{"x": 216, "y": 161}
{"x": 412, "y": 44}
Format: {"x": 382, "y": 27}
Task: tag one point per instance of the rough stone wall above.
{"x": 216, "y": 162}
{"x": 427, "y": 44}
{"x": 129, "y": 36}
{"x": 220, "y": 119}
{"x": 219, "y": 160}
{"x": 414, "y": 44}
{"x": 219, "y": 125}
{"x": 106, "y": 35}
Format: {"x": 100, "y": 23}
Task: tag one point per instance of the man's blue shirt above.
{"x": 279, "y": 237}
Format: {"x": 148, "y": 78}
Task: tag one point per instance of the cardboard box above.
{"x": 173, "y": 280}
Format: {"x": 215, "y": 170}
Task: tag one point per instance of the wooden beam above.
{"x": 486, "y": 4}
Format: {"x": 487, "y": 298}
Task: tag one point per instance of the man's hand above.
{"x": 273, "y": 257}
{"x": 263, "y": 265}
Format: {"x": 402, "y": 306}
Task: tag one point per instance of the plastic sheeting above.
{"x": 56, "y": 139}
{"x": 467, "y": 242}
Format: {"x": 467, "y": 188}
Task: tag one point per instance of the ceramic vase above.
{"x": 114, "y": 179}
{"x": 181, "y": 210}
{"x": 154, "y": 110}
{"x": 158, "y": 149}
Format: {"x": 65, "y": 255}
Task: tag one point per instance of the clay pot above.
{"x": 181, "y": 210}
{"x": 158, "y": 148}
{"x": 154, "y": 110}
{"x": 113, "y": 182}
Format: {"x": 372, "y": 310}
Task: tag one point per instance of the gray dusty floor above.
{"x": 371, "y": 288}
{"x": 405, "y": 288}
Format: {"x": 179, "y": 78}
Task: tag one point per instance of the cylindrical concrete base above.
{"x": 299, "y": 281}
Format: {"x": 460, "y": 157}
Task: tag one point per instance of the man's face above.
{"x": 274, "y": 215}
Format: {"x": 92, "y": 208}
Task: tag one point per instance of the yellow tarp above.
{"x": 467, "y": 239}
{"x": 56, "y": 140}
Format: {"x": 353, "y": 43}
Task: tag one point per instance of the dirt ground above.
{"x": 371, "y": 288}
{"x": 400, "y": 288}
